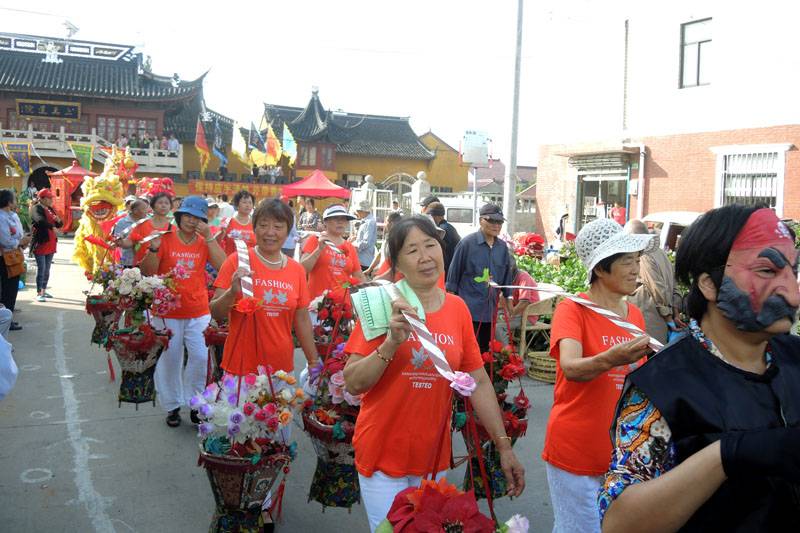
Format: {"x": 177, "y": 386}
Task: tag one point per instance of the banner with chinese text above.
{"x": 230, "y": 188}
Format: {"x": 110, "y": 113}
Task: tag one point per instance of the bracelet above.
{"x": 212, "y": 238}
{"x": 382, "y": 358}
{"x": 506, "y": 437}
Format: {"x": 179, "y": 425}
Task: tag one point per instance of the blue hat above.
{"x": 195, "y": 206}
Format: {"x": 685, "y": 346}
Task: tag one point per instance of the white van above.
{"x": 459, "y": 213}
{"x": 669, "y": 225}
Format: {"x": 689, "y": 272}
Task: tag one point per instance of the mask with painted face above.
{"x": 760, "y": 284}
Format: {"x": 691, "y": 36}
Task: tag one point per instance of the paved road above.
{"x": 72, "y": 460}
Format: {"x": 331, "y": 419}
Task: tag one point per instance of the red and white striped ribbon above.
{"x": 243, "y": 255}
{"x": 460, "y": 381}
{"x": 555, "y": 290}
{"x": 153, "y": 235}
{"x": 127, "y": 231}
{"x": 335, "y": 249}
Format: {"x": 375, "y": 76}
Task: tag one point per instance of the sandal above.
{"x": 193, "y": 416}
{"x": 174, "y": 418}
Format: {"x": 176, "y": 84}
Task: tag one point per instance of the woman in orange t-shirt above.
{"x": 406, "y": 402}
{"x": 239, "y": 226}
{"x": 280, "y": 282}
{"x": 593, "y": 357}
{"x": 160, "y": 204}
{"x": 329, "y": 269}
{"x": 190, "y": 246}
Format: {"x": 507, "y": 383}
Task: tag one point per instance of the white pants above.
{"x": 378, "y": 493}
{"x": 175, "y": 384}
{"x": 574, "y": 500}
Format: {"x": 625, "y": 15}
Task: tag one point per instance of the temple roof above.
{"x": 86, "y": 69}
{"x": 353, "y": 134}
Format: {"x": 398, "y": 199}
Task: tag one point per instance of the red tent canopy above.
{"x": 318, "y": 185}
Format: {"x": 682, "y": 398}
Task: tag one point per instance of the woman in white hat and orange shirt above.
{"x": 593, "y": 357}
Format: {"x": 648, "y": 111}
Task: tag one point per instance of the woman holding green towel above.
{"x": 406, "y": 404}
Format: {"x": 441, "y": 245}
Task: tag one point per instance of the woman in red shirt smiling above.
{"x": 328, "y": 269}
{"x": 280, "y": 283}
{"x": 190, "y": 246}
{"x": 240, "y": 226}
{"x": 406, "y": 401}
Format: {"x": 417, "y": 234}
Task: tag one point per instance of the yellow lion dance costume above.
{"x": 102, "y": 196}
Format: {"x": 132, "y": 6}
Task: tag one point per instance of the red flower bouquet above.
{"x": 529, "y": 244}
{"x": 435, "y": 507}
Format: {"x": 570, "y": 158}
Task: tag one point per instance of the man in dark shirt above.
{"x": 451, "y": 236}
{"x": 476, "y": 252}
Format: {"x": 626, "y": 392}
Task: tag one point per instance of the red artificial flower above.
{"x": 333, "y": 365}
{"x": 348, "y": 314}
{"x": 512, "y": 371}
{"x": 260, "y": 415}
{"x": 495, "y": 346}
{"x": 510, "y": 420}
{"x": 248, "y": 408}
{"x": 323, "y": 314}
{"x": 522, "y": 402}
{"x": 487, "y": 357}
{"x": 337, "y": 313}
{"x": 249, "y": 305}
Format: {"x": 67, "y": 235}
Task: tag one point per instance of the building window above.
{"x": 307, "y": 155}
{"x": 751, "y": 175}
{"x": 326, "y": 152}
{"x": 111, "y": 128}
{"x": 15, "y": 122}
{"x": 695, "y": 53}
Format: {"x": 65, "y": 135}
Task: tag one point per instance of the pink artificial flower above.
{"x": 250, "y": 380}
{"x": 462, "y": 383}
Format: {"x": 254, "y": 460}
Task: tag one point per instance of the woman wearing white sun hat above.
{"x": 593, "y": 357}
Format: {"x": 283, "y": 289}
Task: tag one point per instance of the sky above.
{"x": 446, "y": 64}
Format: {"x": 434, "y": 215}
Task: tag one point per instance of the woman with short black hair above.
{"x": 240, "y": 225}
{"x": 707, "y": 434}
{"x": 160, "y": 204}
{"x": 397, "y": 377}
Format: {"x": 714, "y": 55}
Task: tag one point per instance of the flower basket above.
{"x": 335, "y": 481}
{"x": 240, "y": 488}
{"x": 542, "y": 368}
{"x": 137, "y": 351}
{"x": 106, "y": 314}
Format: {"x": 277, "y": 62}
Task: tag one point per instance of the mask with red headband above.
{"x": 760, "y": 286}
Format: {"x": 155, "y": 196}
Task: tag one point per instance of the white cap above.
{"x": 603, "y": 238}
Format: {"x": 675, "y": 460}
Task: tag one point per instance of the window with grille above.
{"x": 695, "y": 53}
{"x": 751, "y": 178}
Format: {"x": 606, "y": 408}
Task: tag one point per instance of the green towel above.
{"x": 374, "y": 308}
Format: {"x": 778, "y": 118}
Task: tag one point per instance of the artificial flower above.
{"x": 517, "y": 524}
{"x": 462, "y": 383}
{"x": 521, "y": 401}
{"x": 248, "y": 305}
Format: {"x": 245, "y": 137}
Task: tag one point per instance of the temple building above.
{"x": 349, "y": 146}
{"x": 55, "y": 93}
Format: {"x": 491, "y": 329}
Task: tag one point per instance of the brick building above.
{"x": 679, "y": 129}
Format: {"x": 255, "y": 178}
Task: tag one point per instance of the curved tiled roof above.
{"x": 353, "y": 134}
{"x": 119, "y": 79}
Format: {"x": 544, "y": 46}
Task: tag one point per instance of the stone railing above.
{"x": 56, "y": 144}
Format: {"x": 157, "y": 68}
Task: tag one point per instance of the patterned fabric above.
{"x": 236, "y": 521}
{"x": 494, "y": 473}
{"x": 137, "y": 387}
{"x": 335, "y": 484}
{"x": 643, "y": 448}
{"x": 705, "y": 342}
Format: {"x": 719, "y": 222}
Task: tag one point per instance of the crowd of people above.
{"x": 704, "y": 433}
{"x": 133, "y": 140}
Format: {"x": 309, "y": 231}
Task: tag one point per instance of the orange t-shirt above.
{"x": 192, "y": 290}
{"x": 283, "y": 292}
{"x": 402, "y": 415}
{"x": 331, "y": 269}
{"x": 577, "y": 438}
{"x": 140, "y": 232}
{"x": 239, "y": 231}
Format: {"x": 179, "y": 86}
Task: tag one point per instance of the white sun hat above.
{"x": 603, "y": 238}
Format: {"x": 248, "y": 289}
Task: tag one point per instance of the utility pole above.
{"x": 510, "y": 182}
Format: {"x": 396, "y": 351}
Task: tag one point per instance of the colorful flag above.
{"x": 202, "y": 147}
{"x": 238, "y": 146}
{"x": 273, "y": 147}
{"x": 289, "y": 144}
{"x": 218, "y": 149}
{"x": 255, "y": 141}
{"x": 83, "y": 153}
{"x": 19, "y": 154}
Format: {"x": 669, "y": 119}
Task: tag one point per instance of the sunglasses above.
{"x": 493, "y": 222}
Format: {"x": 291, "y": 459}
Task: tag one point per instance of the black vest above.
{"x": 700, "y": 397}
